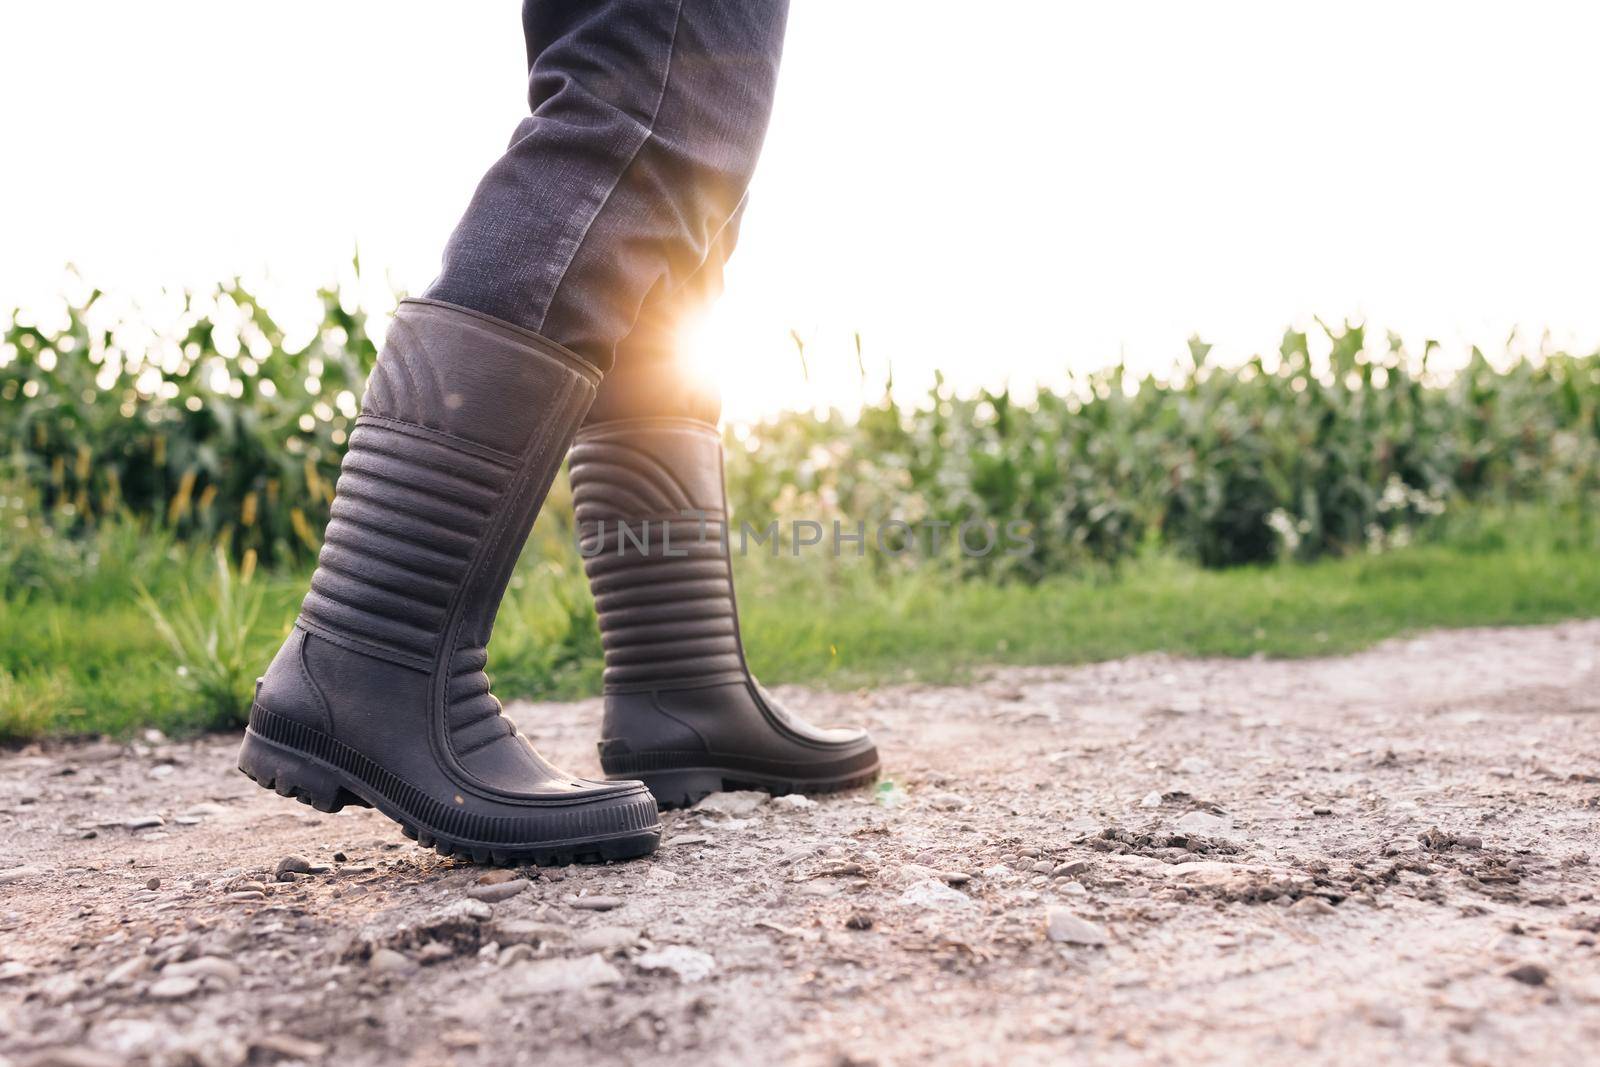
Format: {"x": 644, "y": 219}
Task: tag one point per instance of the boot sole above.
{"x": 682, "y": 788}
{"x": 291, "y": 772}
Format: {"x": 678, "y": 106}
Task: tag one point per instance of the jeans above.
{"x": 607, "y": 221}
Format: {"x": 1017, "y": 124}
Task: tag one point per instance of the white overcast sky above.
{"x": 999, "y": 190}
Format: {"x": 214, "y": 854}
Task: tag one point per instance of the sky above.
{"x": 999, "y": 191}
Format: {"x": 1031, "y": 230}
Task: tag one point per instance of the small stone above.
{"x": 461, "y": 1039}
{"x": 689, "y": 964}
{"x": 288, "y": 1047}
{"x": 1151, "y": 799}
{"x": 1206, "y": 824}
{"x": 932, "y": 894}
{"x": 953, "y": 877}
{"x": 1528, "y": 973}
{"x": 797, "y": 801}
{"x": 173, "y": 988}
{"x": 606, "y": 938}
{"x": 1312, "y": 906}
{"x": 476, "y": 910}
{"x": 557, "y": 975}
{"x": 291, "y": 865}
{"x": 1063, "y": 927}
{"x": 1043, "y": 867}
{"x": 1070, "y": 869}
{"x": 245, "y": 896}
{"x": 1073, "y": 889}
{"x": 947, "y": 801}
{"x": 516, "y": 954}
{"x": 495, "y": 877}
{"x": 152, "y": 883}
{"x": 388, "y": 961}
{"x": 340, "y": 857}
{"x": 214, "y": 967}
{"x": 498, "y": 891}
{"x": 524, "y": 932}
{"x": 144, "y": 822}
{"x": 201, "y": 811}
{"x": 595, "y": 903}
{"x": 1193, "y": 765}
{"x": 1322, "y": 811}
{"x": 127, "y": 970}
{"x": 73, "y": 1057}
{"x": 736, "y": 803}
{"x": 434, "y": 952}
{"x": 17, "y": 874}
{"x": 858, "y": 920}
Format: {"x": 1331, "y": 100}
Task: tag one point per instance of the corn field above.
{"x": 216, "y": 431}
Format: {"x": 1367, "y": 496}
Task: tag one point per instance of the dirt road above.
{"x": 1374, "y": 858}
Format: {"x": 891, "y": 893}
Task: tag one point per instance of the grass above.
{"x": 80, "y": 654}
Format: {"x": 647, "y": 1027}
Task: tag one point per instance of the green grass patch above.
{"x": 80, "y": 654}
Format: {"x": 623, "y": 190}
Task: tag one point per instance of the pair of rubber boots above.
{"x": 379, "y": 698}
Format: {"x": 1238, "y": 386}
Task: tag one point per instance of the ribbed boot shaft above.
{"x": 652, "y": 527}
{"x": 461, "y": 432}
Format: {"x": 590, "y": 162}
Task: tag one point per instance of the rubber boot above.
{"x": 682, "y": 712}
{"x": 379, "y": 696}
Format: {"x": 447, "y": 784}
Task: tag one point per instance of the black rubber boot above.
{"x": 682, "y": 712}
{"x": 379, "y": 696}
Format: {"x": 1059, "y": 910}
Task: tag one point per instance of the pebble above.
{"x": 736, "y": 803}
{"x": 498, "y": 891}
{"x": 1063, "y": 927}
{"x": 932, "y": 894}
{"x": 127, "y": 970}
{"x": 538, "y": 977}
{"x": 524, "y": 932}
{"x": 290, "y": 866}
{"x": 1070, "y": 869}
{"x": 74, "y": 1057}
{"x": 689, "y": 964}
{"x": 1312, "y": 906}
{"x": 204, "y": 967}
{"x": 1193, "y": 765}
{"x": 595, "y": 903}
{"x": 607, "y": 938}
{"x": 201, "y": 811}
{"x": 793, "y": 800}
{"x": 1074, "y": 889}
{"x": 1528, "y": 973}
{"x": 1043, "y": 867}
{"x": 144, "y": 822}
{"x": 947, "y": 801}
{"x": 434, "y": 952}
{"x": 1205, "y": 823}
{"x": 288, "y": 1047}
{"x": 858, "y": 920}
{"x": 515, "y": 954}
{"x": 388, "y": 961}
{"x": 152, "y": 883}
{"x": 1151, "y": 799}
{"x": 476, "y": 910}
{"x": 17, "y": 874}
{"x": 175, "y": 988}
{"x": 495, "y": 877}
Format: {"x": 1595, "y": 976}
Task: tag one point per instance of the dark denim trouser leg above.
{"x": 621, "y": 190}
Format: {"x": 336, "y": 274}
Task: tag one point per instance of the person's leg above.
{"x": 613, "y": 188}
{"x": 682, "y": 711}
{"x": 648, "y": 117}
